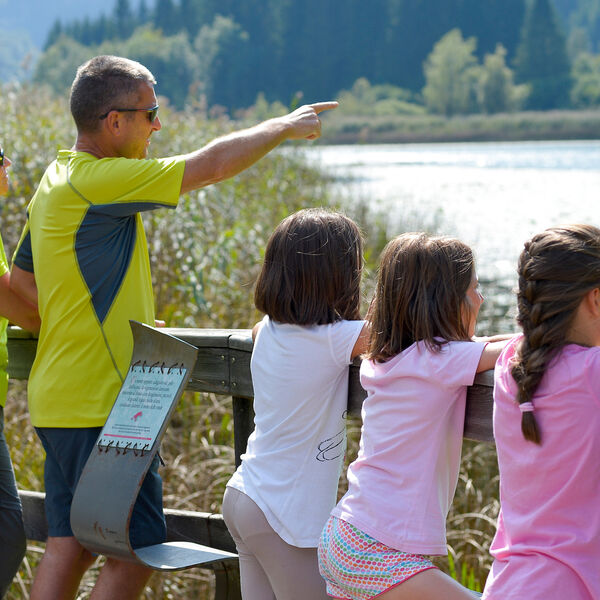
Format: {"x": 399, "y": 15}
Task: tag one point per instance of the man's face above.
{"x": 137, "y": 125}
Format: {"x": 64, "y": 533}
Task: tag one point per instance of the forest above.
{"x": 448, "y": 56}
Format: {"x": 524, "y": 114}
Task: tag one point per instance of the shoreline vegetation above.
{"x": 500, "y": 127}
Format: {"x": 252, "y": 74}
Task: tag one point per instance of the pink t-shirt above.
{"x": 548, "y": 541}
{"x": 402, "y": 483}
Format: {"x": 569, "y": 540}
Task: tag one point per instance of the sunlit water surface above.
{"x": 491, "y": 195}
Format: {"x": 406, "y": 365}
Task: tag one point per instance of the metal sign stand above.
{"x": 112, "y": 477}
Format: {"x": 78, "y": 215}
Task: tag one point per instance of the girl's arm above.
{"x": 255, "y": 330}
{"x": 490, "y": 353}
{"x": 362, "y": 342}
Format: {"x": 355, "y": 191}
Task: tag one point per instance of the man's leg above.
{"x": 64, "y": 562}
{"x": 120, "y": 579}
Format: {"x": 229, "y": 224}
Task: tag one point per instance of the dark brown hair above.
{"x": 556, "y": 269}
{"x": 420, "y": 294}
{"x": 102, "y": 84}
{"x": 312, "y": 269}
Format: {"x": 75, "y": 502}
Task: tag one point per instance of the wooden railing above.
{"x": 223, "y": 367}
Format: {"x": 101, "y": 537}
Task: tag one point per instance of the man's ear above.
{"x": 114, "y": 122}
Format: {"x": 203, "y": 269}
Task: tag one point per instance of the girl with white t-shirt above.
{"x": 547, "y": 425}
{"x": 421, "y": 358}
{"x": 278, "y": 500}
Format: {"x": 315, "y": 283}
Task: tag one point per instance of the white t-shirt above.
{"x": 295, "y": 455}
{"x": 402, "y": 483}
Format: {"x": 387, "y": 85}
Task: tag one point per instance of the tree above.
{"x": 190, "y": 16}
{"x": 497, "y": 90}
{"x": 166, "y": 17}
{"x": 451, "y": 73}
{"x": 542, "y": 60}
{"x": 123, "y": 18}
{"x": 53, "y": 35}
{"x": 223, "y": 76}
{"x": 58, "y": 64}
{"x": 170, "y": 59}
{"x": 143, "y": 13}
{"x": 586, "y": 88}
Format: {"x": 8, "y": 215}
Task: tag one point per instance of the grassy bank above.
{"x": 551, "y": 125}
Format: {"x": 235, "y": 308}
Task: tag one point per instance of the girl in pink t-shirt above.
{"x": 547, "y": 425}
{"x": 421, "y": 358}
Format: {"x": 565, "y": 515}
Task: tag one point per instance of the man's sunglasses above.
{"x": 152, "y": 112}
{"x": 1, "y": 157}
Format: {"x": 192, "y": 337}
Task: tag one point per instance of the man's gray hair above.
{"x": 104, "y": 83}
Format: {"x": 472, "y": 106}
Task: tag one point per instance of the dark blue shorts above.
{"x": 67, "y": 451}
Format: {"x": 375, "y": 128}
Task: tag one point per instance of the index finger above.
{"x": 321, "y": 106}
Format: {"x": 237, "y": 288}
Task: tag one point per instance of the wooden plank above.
{"x": 210, "y": 338}
{"x": 211, "y": 371}
{"x": 243, "y": 426}
{"x": 200, "y": 527}
{"x": 356, "y": 392}
{"x": 479, "y": 409}
{"x": 223, "y": 367}
{"x": 34, "y": 516}
{"x": 240, "y": 353}
{"x": 21, "y": 353}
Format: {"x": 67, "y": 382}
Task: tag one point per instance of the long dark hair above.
{"x": 312, "y": 269}
{"x": 420, "y": 294}
{"x": 556, "y": 269}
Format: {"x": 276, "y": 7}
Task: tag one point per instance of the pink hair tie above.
{"x": 526, "y": 407}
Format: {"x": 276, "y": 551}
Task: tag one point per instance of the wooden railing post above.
{"x": 243, "y": 425}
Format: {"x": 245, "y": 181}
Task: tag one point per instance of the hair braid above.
{"x": 556, "y": 269}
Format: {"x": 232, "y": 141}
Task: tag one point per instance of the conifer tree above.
{"x": 542, "y": 60}
{"x": 166, "y": 17}
{"x": 123, "y": 19}
{"x": 53, "y": 35}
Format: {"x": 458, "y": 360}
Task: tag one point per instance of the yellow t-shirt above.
{"x": 85, "y": 243}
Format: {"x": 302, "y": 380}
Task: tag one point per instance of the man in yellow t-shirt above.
{"x": 83, "y": 258}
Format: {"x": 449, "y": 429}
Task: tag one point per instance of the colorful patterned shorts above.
{"x": 358, "y": 567}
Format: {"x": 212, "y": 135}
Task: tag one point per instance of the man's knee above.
{"x": 120, "y": 577}
{"x": 69, "y": 551}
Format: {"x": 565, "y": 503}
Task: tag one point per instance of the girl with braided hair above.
{"x": 547, "y": 425}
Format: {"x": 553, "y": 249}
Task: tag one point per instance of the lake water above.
{"x": 491, "y": 195}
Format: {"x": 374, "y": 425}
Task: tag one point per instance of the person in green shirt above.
{"x": 83, "y": 258}
{"x": 12, "y": 532}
